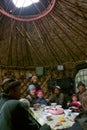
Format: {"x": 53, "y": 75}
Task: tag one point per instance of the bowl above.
{"x": 67, "y": 112}
{"x": 58, "y": 106}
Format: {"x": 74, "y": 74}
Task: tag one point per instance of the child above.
{"x": 31, "y": 97}
{"x": 40, "y": 98}
{"x": 75, "y": 105}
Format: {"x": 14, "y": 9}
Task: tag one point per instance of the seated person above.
{"x": 40, "y": 98}
{"x": 31, "y": 97}
{"x": 81, "y": 119}
{"x": 57, "y": 96}
{"x": 75, "y": 104}
{"x": 81, "y": 88}
{"x": 13, "y": 114}
{"x": 34, "y": 81}
{"x": 80, "y": 122}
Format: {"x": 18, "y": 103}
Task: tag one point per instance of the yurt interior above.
{"x": 44, "y": 38}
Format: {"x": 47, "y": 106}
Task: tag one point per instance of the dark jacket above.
{"x": 80, "y": 122}
{"x": 59, "y": 99}
{"x": 13, "y": 116}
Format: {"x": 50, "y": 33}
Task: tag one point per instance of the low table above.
{"x": 42, "y": 116}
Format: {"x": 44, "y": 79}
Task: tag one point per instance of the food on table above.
{"x": 58, "y": 124}
{"x": 62, "y": 119}
{"x": 56, "y": 111}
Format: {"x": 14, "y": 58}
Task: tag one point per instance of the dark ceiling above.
{"x": 58, "y": 38}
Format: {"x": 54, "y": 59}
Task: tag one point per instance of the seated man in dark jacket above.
{"x": 13, "y": 115}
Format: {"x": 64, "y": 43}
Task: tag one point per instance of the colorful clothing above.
{"x": 75, "y": 106}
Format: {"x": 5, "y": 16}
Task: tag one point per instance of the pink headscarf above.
{"x": 39, "y": 91}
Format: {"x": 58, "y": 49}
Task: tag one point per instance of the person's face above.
{"x": 35, "y": 80}
{"x": 57, "y": 91}
{"x": 40, "y": 95}
{"x": 74, "y": 98}
{"x": 33, "y": 91}
{"x": 81, "y": 89}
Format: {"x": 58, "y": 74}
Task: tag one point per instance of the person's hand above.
{"x": 45, "y": 127}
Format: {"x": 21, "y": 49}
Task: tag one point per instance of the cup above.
{"x": 67, "y": 112}
{"x": 53, "y": 104}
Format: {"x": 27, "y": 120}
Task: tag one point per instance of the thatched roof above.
{"x": 60, "y": 37}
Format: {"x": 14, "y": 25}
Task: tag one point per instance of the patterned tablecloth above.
{"x": 42, "y": 116}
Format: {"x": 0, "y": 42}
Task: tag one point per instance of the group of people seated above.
{"x": 36, "y": 96}
{"x": 14, "y": 115}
